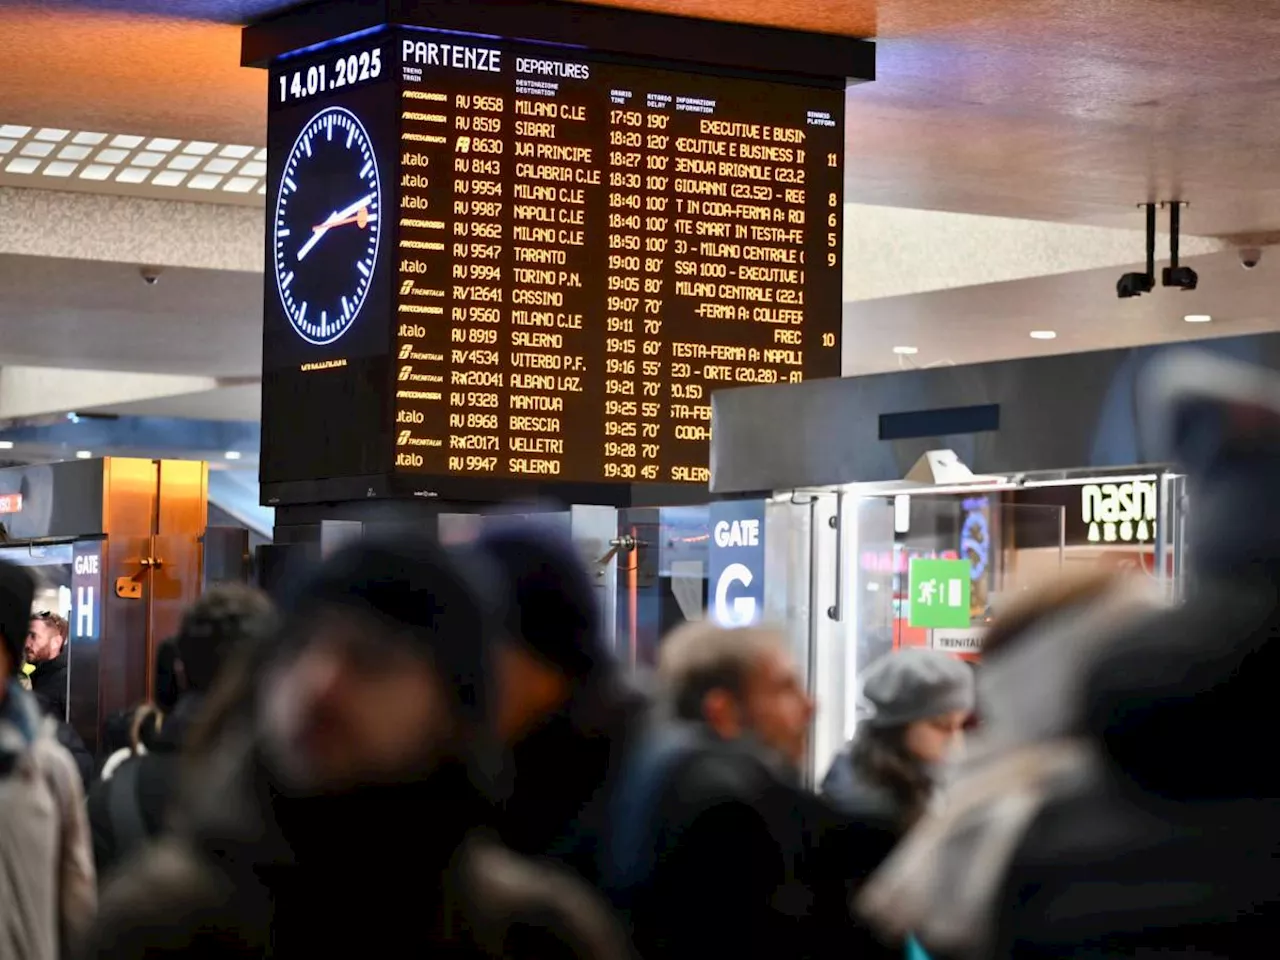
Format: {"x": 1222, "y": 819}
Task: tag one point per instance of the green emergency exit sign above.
{"x": 939, "y": 593}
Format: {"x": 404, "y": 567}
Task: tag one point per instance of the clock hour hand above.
{"x": 334, "y": 220}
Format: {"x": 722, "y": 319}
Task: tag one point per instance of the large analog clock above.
{"x": 327, "y": 223}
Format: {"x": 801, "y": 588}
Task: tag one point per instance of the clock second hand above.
{"x": 334, "y": 218}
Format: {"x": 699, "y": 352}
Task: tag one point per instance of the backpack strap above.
{"x": 646, "y": 773}
{"x": 125, "y": 809}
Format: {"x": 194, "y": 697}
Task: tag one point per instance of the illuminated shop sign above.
{"x": 10, "y": 503}
{"x": 1120, "y": 512}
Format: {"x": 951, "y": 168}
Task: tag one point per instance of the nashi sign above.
{"x": 1120, "y": 512}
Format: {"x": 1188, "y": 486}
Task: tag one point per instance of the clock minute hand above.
{"x": 319, "y": 231}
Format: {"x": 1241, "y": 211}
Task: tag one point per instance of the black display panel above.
{"x": 332, "y": 131}
{"x": 493, "y": 264}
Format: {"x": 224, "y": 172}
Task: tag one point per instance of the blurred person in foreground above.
{"x": 563, "y": 705}
{"x": 47, "y": 888}
{"x": 132, "y": 803}
{"x": 943, "y": 882}
{"x": 1173, "y": 847}
{"x": 341, "y": 816}
{"x": 916, "y": 703}
{"x": 132, "y": 732}
{"x": 715, "y": 842}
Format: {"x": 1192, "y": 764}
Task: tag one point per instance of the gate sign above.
{"x": 939, "y": 595}
{"x": 86, "y": 590}
{"x": 736, "y": 568}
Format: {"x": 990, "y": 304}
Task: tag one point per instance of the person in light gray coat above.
{"x": 47, "y": 887}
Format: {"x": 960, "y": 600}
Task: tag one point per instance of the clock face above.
{"x": 328, "y": 221}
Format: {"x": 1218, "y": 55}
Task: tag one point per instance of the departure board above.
{"x": 495, "y": 265}
{"x": 588, "y": 249}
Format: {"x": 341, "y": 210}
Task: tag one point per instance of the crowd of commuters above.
{"x": 430, "y": 750}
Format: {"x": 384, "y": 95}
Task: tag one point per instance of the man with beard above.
{"x": 347, "y": 820}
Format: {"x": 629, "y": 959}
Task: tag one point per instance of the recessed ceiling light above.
{"x": 51, "y": 134}
{"x": 163, "y": 144}
{"x": 127, "y": 141}
{"x": 199, "y": 148}
{"x": 236, "y": 150}
{"x": 6, "y": 444}
{"x": 22, "y": 165}
{"x": 1043, "y": 334}
{"x": 905, "y": 351}
{"x": 13, "y": 130}
{"x": 83, "y": 454}
{"x": 91, "y": 139}
{"x": 149, "y": 159}
{"x": 96, "y": 171}
{"x": 36, "y": 149}
{"x": 169, "y": 178}
{"x": 254, "y": 168}
{"x": 73, "y": 153}
{"x": 133, "y": 175}
{"x": 111, "y": 156}
{"x": 233, "y": 454}
{"x": 262, "y": 189}
{"x": 1198, "y": 318}
{"x": 203, "y": 181}
{"x": 220, "y": 165}
{"x": 240, "y": 184}
{"x": 60, "y": 168}
{"x": 7, "y": 145}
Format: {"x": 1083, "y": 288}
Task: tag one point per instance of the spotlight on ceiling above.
{"x": 1184, "y": 278}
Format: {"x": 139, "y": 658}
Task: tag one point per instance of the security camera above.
{"x": 150, "y": 275}
{"x": 1134, "y": 285}
{"x": 1250, "y": 257}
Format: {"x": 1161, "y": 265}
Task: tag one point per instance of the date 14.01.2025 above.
{"x": 342, "y": 71}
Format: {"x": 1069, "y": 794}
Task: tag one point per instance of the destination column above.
{"x": 555, "y": 172}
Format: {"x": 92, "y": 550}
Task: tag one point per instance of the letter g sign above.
{"x": 742, "y": 611}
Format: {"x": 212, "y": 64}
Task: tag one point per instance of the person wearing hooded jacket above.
{"x": 564, "y": 708}
{"x": 47, "y": 889}
{"x": 344, "y": 815}
{"x": 1172, "y": 848}
{"x": 132, "y": 801}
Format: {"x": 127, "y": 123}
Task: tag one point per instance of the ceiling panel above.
{"x": 102, "y": 316}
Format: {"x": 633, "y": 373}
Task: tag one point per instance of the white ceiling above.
{"x": 102, "y": 316}
{"x": 994, "y": 321}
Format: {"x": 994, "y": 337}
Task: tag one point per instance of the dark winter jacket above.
{"x": 49, "y": 683}
{"x": 134, "y": 804}
{"x": 564, "y": 775}
{"x": 722, "y": 853}
{"x": 394, "y": 871}
{"x": 1175, "y": 844}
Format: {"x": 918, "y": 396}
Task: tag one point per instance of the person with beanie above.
{"x": 47, "y": 887}
{"x": 916, "y": 703}
{"x": 564, "y": 709}
{"x": 345, "y": 815}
